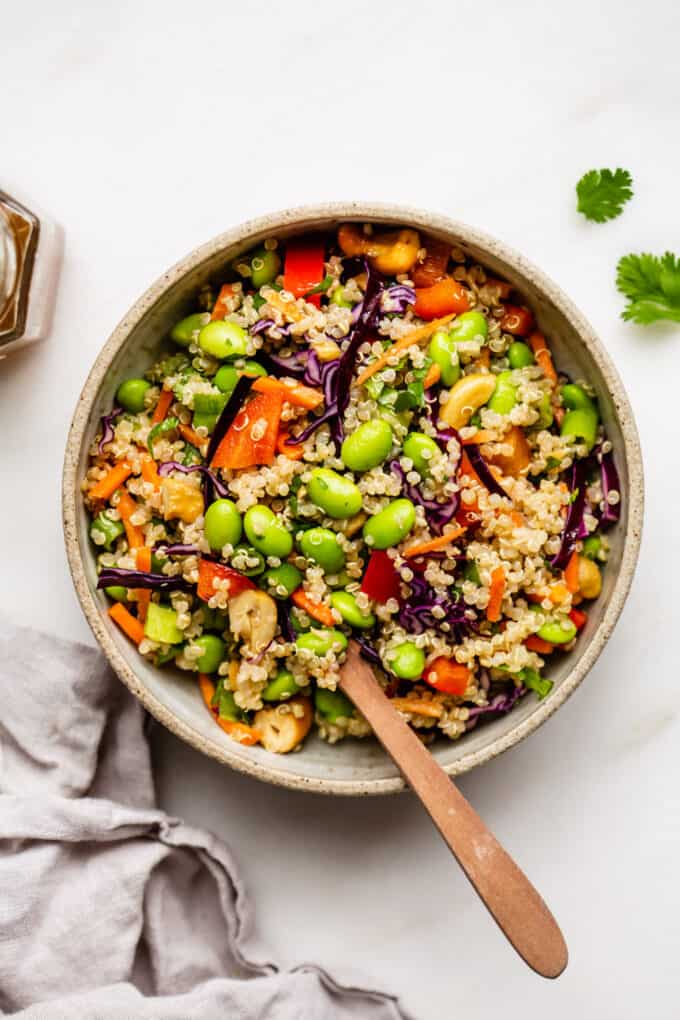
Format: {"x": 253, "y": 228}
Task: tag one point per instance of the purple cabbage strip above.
{"x": 260, "y": 326}
{"x": 438, "y": 514}
{"x": 416, "y": 616}
{"x": 573, "y": 524}
{"x": 399, "y": 298}
{"x": 176, "y": 550}
{"x": 107, "y": 428}
{"x": 293, "y": 365}
{"x": 174, "y": 465}
{"x": 482, "y": 469}
{"x": 141, "y": 579}
{"x": 500, "y": 703}
{"x": 287, "y": 629}
{"x": 609, "y": 478}
{"x": 368, "y": 652}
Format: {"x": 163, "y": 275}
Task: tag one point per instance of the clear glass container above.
{"x": 31, "y": 247}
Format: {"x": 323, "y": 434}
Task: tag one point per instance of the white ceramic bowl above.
{"x": 353, "y": 766}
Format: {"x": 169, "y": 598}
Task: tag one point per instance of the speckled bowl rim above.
{"x": 424, "y": 220}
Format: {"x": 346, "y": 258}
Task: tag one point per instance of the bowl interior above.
{"x": 353, "y": 766}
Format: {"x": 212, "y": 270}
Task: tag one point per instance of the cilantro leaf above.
{"x": 603, "y": 193}
{"x": 652, "y": 285}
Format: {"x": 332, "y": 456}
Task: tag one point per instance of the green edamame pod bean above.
{"x": 187, "y": 329}
{"x": 223, "y": 339}
{"x": 581, "y": 424}
{"x": 266, "y": 532}
{"x": 222, "y": 524}
{"x": 248, "y": 561}
{"x": 131, "y": 393}
{"x": 391, "y": 525}
{"x": 251, "y": 368}
{"x": 346, "y": 605}
{"x": 212, "y": 649}
{"x": 520, "y": 355}
{"x": 469, "y": 326}
{"x": 443, "y": 352}
{"x": 408, "y": 662}
{"x": 282, "y": 581}
{"x": 117, "y": 592}
{"x": 332, "y": 704}
{"x": 264, "y": 266}
{"x": 557, "y": 631}
{"x": 225, "y": 379}
{"x": 335, "y": 495}
{"x": 575, "y": 398}
{"x": 321, "y": 641}
{"x": 321, "y": 545}
{"x": 592, "y": 546}
{"x": 104, "y": 531}
{"x": 281, "y": 687}
{"x": 504, "y": 397}
{"x": 422, "y": 450}
{"x": 368, "y": 446}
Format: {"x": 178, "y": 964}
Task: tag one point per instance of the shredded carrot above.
{"x": 150, "y": 472}
{"x": 162, "y": 407}
{"x": 428, "y": 708}
{"x": 433, "y": 544}
{"x": 191, "y": 436}
{"x": 294, "y": 451}
{"x": 126, "y": 507}
{"x": 543, "y": 356}
{"x": 207, "y": 690}
{"x": 238, "y": 731}
{"x": 416, "y": 336}
{"x": 111, "y": 481}
{"x": 496, "y": 590}
{"x": 571, "y": 573}
{"x": 130, "y": 626}
{"x": 294, "y": 392}
{"x": 317, "y": 610}
{"x": 143, "y": 562}
{"x": 221, "y": 308}
{"x": 434, "y": 374}
{"x": 481, "y": 436}
{"x": 536, "y": 644}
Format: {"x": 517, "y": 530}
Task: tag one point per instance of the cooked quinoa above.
{"x": 353, "y": 436}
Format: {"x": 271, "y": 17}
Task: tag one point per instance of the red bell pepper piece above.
{"x": 440, "y": 299}
{"x": 240, "y": 448}
{"x": 381, "y": 580}
{"x": 447, "y": 676}
{"x": 209, "y": 571}
{"x": 517, "y": 320}
{"x": 578, "y": 618}
{"x": 303, "y": 268}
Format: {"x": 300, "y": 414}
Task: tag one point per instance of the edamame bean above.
{"x": 520, "y": 355}
{"x": 346, "y": 605}
{"x": 335, "y": 495}
{"x": 504, "y": 397}
{"x": 368, "y": 446}
{"x": 282, "y": 686}
{"x": 104, "y": 531}
{"x": 409, "y": 661}
{"x": 266, "y": 532}
{"x": 186, "y": 330}
{"x": 223, "y": 339}
{"x": 321, "y": 545}
{"x": 248, "y": 561}
{"x": 581, "y": 424}
{"x": 130, "y": 394}
{"x": 321, "y": 641}
{"x": 391, "y": 525}
{"x": 212, "y": 648}
{"x": 557, "y": 631}
{"x": 252, "y": 368}
{"x": 469, "y": 326}
{"x": 443, "y": 352}
{"x": 282, "y": 581}
{"x": 226, "y": 378}
{"x": 422, "y": 450}
{"x": 591, "y": 547}
{"x": 332, "y": 705}
{"x": 222, "y": 524}
{"x": 264, "y": 266}
{"x": 116, "y": 592}
{"x": 576, "y": 399}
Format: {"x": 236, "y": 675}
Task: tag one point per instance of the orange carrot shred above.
{"x": 317, "y": 610}
{"x": 127, "y": 622}
{"x": 433, "y": 544}
{"x": 221, "y": 307}
{"x": 111, "y": 481}
{"x": 415, "y": 336}
{"x": 150, "y": 472}
{"x": 571, "y": 573}
{"x": 434, "y": 374}
{"x": 162, "y": 407}
{"x": 293, "y": 392}
{"x": 496, "y": 590}
{"x": 245, "y": 735}
{"x": 191, "y": 436}
{"x": 143, "y": 562}
{"x": 543, "y": 356}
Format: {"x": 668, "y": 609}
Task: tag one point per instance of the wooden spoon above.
{"x": 508, "y": 894}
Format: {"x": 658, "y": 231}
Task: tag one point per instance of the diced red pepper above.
{"x": 303, "y": 268}
{"x": 441, "y": 299}
{"x": 517, "y": 320}
{"x": 381, "y": 580}
{"x": 447, "y": 676}
{"x": 433, "y": 267}
{"x": 240, "y": 448}
{"x": 578, "y": 618}
{"x": 209, "y": 572}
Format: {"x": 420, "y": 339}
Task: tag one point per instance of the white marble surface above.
{"x": 147, "y": 128}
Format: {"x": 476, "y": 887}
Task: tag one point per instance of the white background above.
{"x": 147, "y": 128}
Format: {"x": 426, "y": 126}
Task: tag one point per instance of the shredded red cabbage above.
{"x": 574, "y": 524}
{"x": 501, "y": 703}
{"x": 416, "y": 616}
{"x": 398, "y": 298}
{"x": 609, "y": 479}
{"x": 293, "y": 365}
{"x": 261, "y": 325}
{"x": 368, "y": 652}
{"x": 285, "y": 624}
{"x": 107, "y": 428}
{"x": 438, "y": 514}
{"x": 483, "y": 471}
{"x": 141, "y": 579}
{"x": 168, "y": 466}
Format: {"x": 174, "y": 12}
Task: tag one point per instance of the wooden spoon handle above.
{"x": 507, "y": 892}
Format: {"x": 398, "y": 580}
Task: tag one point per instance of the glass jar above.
{"x": 30, "y": 256}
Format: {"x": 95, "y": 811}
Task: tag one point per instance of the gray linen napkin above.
{"x": 108, "y": 907}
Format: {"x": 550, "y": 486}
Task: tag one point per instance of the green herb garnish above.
{"x": 652, "y": 285}
{"x": 322, "y": 287}
{"x": 602, "y": 194}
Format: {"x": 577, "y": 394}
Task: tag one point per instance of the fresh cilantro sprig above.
{"x": 602, "y": 194}
{"x": 652, "y": 285}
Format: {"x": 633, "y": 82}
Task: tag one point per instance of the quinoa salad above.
{"x": 357, "y": 435}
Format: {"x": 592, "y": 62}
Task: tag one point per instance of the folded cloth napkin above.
{"x": 109, "y": 908}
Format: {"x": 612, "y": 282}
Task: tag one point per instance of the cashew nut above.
{"x": 517, "y": 460}
{"x": 589, "y": 578}
{"x": 252, "y": 617}
{"x": 466, "y": 397}
{"x": 392, "y": 252}
{"x": 283, "y": 727}
{"x": 181, "y": 499}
